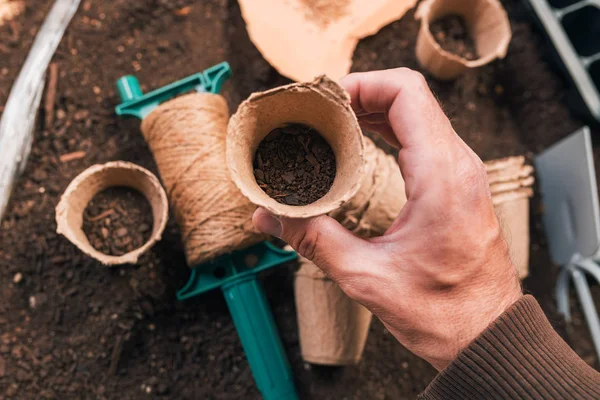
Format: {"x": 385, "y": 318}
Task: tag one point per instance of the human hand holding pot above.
{"x": 442, "y": 272}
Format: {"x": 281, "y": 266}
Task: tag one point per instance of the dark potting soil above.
{"x": 452, "y": 34}
{"x": 120, "y": 333}
{"x": 294, "y": 165}
{"x": 118, "y": 220}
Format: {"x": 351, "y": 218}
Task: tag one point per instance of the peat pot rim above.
{"x": 322, "y": 105}
{"x": 72, "y": 204}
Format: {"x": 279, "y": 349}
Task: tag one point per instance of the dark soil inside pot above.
{"x": 294, "y": 165}
{"x": 452, "y": 34}
{"x": 118, "y": 220}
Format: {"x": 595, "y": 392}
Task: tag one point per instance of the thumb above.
{"x": 322, "y": 240}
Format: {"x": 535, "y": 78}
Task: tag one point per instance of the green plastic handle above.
{"x": 257, "y": 331}
{"x": 137, "y": 104}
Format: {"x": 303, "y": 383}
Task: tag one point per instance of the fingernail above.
{"x": 267, "y": 223}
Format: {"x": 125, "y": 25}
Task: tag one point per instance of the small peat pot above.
{"x": 333, "y": 328}
{"x": 511, "y": 182}
{"x": 459, "y": 35}
{"x": 99, "y": 179}
{"x": 297, "y": 150}
{"x": 512, "y": 209}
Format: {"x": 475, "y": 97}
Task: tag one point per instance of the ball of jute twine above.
{"x": 187, "y": 138}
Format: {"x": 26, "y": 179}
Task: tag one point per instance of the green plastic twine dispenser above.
{"x": 235, "y": 273}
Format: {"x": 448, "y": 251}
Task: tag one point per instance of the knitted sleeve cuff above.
{"x": 519, "y": 356}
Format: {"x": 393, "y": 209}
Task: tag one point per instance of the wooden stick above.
{"x": 115, "y": 356}
{"x": 51, "y": 95}
{"x": 18, "y": 120}
{"x": 76, "y": 155}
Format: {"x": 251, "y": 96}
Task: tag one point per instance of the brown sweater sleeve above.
{"x": 519, "y": 356}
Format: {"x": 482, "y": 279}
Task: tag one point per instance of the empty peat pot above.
{"x": 486, "y": 22}
{"x": 95, "y": 179}
{"x": 322, "y": 105}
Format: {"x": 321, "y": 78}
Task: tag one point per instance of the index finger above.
{"x": 416, "y": 118}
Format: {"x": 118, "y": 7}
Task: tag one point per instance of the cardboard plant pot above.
{"x": 72, "y": 204}
{"x": 512, "y": 209}
{"x": 511, "y": 182}
{"x": 487, "y": 23}
{"x": 322, "y": 105}
{"x": 333, "y": 328}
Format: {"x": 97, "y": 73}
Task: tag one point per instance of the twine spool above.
{"x": 187, "y": 138}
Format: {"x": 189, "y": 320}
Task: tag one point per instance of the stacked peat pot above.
{"x": 511, "y": 186}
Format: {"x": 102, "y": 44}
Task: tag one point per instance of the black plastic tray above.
{"x": 573, "y": 27}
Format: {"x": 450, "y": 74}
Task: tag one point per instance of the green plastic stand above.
{"x": 235, "y": 273}
{"x": 139, "y": 105}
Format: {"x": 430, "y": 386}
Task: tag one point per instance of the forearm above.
{"x": 519, "y": 356}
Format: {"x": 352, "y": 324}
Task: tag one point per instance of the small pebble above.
{"x": 121, "y": 232}
{"x": 81, "y": 115}
{"x": 162, "y": 388}
{"x": 18, "y": 277}
{"x": 37, "y": 300}
{"x": 12, "y": 390}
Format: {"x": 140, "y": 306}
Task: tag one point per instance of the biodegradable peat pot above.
{"x": 333, "y": 328}
{"x": 510, "y": 181}
{"x": 72, "y": 204}
{"x": 512, "y": 209}
{"x": 487, "y": 23}
{"x": 322, "y": 105}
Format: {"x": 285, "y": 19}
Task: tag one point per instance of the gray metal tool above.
{"x": 572, "y": 221}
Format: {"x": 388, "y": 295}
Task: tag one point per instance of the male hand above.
{"x": 442, "y": 272}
